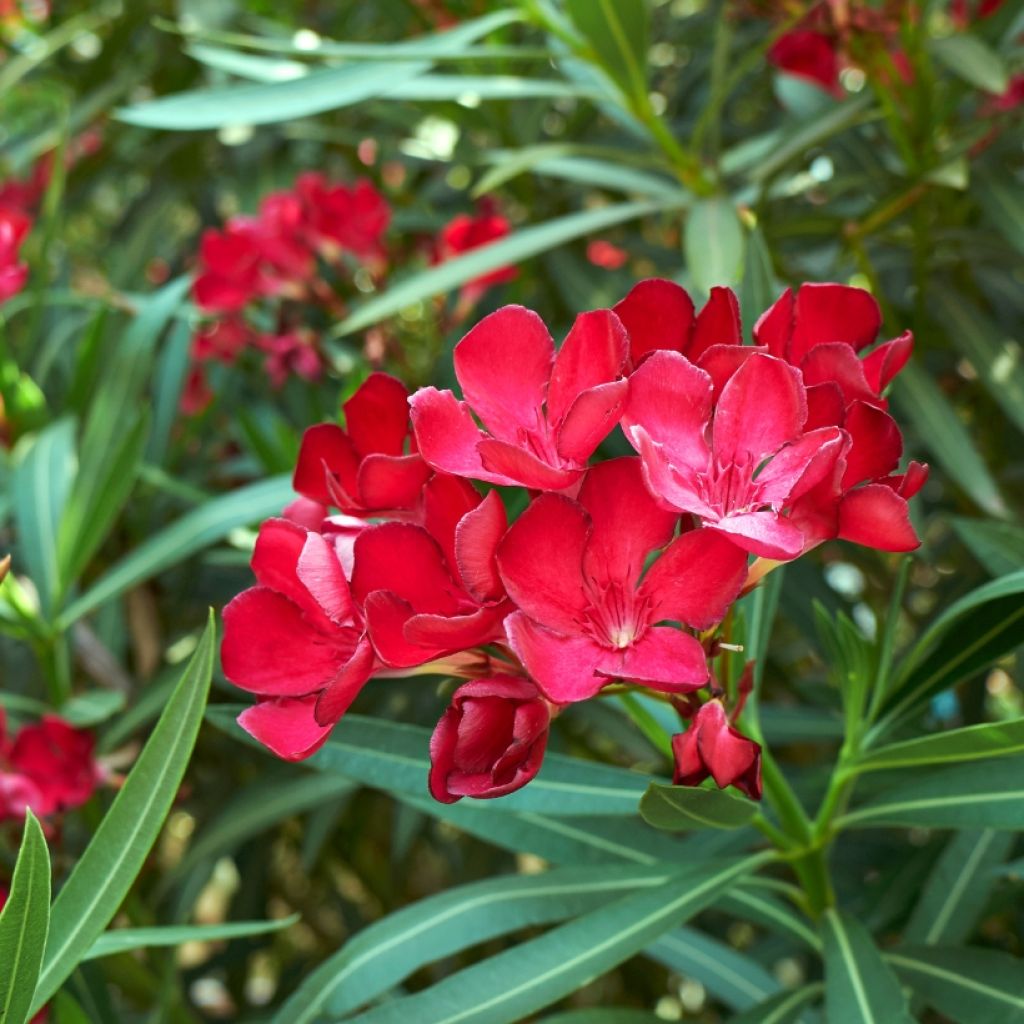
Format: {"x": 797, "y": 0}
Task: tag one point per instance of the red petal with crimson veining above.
{"x": 562, "y": 666}
{"x": 718, "y": 323}
{"x": 833, "y": 312}
{"x": 447, "y": 435}
{"x": 763, "y": 533}
{"x": 541, "y": 561}
{"x": 877, "y": 517}
{"x": 286, "y": 726}
{"x": 390, "y": 482}
{"x": 720, "y": 362}
{"x": 887, "y": 360}
{"x": 671, "y": 400}
{"x": 627, "y": 523}
{"x": 762, "y": 407}
{"x": 695, "y": 580}
{"x": 439, "y": 634}
{"x": 405, "y": 560}
{"x": 663, "y": 658}
{"x": 476, "y": 549}
{"x": 510, "y": 464}
{"x": 446, "y": 499}
{"x": 325, "y": 449}
{"x": 270, "y": 648}
{"x": 377, "y": 415}
{"x": 657, "y": 314}
{"x": 799, "y": 466}
{"x": 321, "y": 574}
{"x": 876, "y": 444}
{"x": 838, "y": 363}
{"x": 670, "y": 487}
{"x": 275, "y": 561}
{"x": 593, "y": 353}
{"x": 503, "y": 365}
{"x": 593, "y": 416}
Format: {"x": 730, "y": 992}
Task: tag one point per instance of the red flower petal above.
{"x": 877, "y": 517}
{"x": 876, "y": 444}
{"x": 695, "y": 580}
{"x": 390, "y": 482}
{"x": 663, "y": 658}
{"x": 510, "y": 464}
{"x": 761, "y": 408}
{"x": 446, "y": 499}
{"x": 286, "y": 726}
{"x": 338, "y": 695}
{"x": 627, "y": 523}
{"x": 439, "y": 634}
{"x": 447, "y": 435}
{"x": 541, "y": 561}
{"x": 377, "y": 415}
{"x": 386, "y": 616}
{"x": 763, "y": 533}
{"x": 563, "y": 666}
{"x": 775, "y": 325}
{"x": 887, "y": 360}
{"x": 720, "y": 362}
{"x": 825, "y": 406}
{"x": 799, "y": 466}
{"x": 476, "y": 549}
{"x": 503, "y": 365}
{"x": 718, "y": 323}
{"x": 657, "y": 314}
{"x": 592, "y": 417}
{"x": 321, "y": 574}
{"x": 593, "y": 353}
{"x": 325, "y": 449}
{"x": 833, "y": 312}
{"x": 837, "y": 362}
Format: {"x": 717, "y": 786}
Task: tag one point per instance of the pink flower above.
{"x": 544, "y": 414}
{"x": 296, "y": 640}
{"x": 589, "y": 613}
{"x": 281, "y": 226}
{"x": 736, "y": 463}
{"x": 606, "y": 255}
{"x": 490, "y": 741}
{"x": 223, "y": 340}
{"x": 371, "y": 466}
{"x": 433, "y": 589}
{"x": 466, "y": 232}
{"x": 821, "y": 330}
{"x": 659, "y": 314}
{"x": 292, "y": 353}
{"x": 353, "y": 218}
{"x": 14, "y": 226}
{"x": 231, "y": 275}
{"x": 713, "y": 747}
{"x": 48, "y": 767}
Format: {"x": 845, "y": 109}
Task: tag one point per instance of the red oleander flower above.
{"x": 712, "y": 747}
{"x": 588, "y": 612}
{"x": 222, "y": 340}
{"x": 813, "y": 56}
{"x": 14, "y": 226}
{"x": 371, "y": 466}
{"x": 231, "y": 275}
{"x": 282, "y": 228}
{"x": 544, "y": 414}
{"x": 606, "y": 255}
{"x": 466, "y": 232}
{"x": 48, "y": 767}
{"x": 736, "y": 463}
{"x": 821, "y": 329}
{"x": 434, "y": 589}
{"x": 659, "y": 314}
{"x": 288, "y": 354}
{"x": 351, "y": 218}
{"x": 490, "y": 741}
{"x": 296, "y": 640}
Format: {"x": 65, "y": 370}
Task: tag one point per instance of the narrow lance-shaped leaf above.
{"x": 619, "y": 35}
{"x": 998, "y": 546}
{"x": 680, "y": 808}
{"x": 972, "y": 60}
{"x": 972, "y": 743}
{"x": 859, "y": 987}
{"x": 118, "y": 849}
{"x": 123, "y": 940}
{"x": 784, "y": 1008}
{"x": 713, "y": 243}
{"x": 23, "y": 925}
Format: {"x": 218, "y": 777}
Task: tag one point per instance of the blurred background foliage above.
{"x": 701, "y": 162}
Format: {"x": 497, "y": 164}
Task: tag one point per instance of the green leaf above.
{"x": 733, "y": 978}
{"x": 859, "y": 987}
{"x": 998, "y": 546}
{"x": 759, "y": 288}
{"x": 972, "y": 60}
{"x": 107, "y": 869}
{"x": 512, "y": 249}
{"x": 969, "y": 796}
{"x": 784, "y": 1008}
{"x": 970, "y": 986}
{"x": 989, "y": 622}
{"x": 23, "y": 925}
{"x": 604, "y": 1015}
{"x": 957, "y": 890}
{"x": 750, "y": 903}
{"x": 713, "y": 243}
{"x": 315, "y": 93}
{"x": 619, "y": 34}
{"x": 396, "y": 757}
{"x": 44, "y": 466}
{"x": 972, "y": 743}
{"x": 996, "y": 356}
{"x": 198, "y": 529}
{"x": 681, "y": 808}
{"x": 938, "y": 425}
{"x": 123, "y": 940}
{"x": 86, "y": 710}
{"x": 171, "y": 372}
{"x": 540, "y": 971}
{"x": 999, "y": 196}
{"x": 382, "y": 954}
{"x": 68, "y": 1011}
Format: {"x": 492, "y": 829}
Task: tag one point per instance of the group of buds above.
{"x": 617, "y": 570}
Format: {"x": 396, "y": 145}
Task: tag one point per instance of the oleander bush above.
{"x": 511, "y": 511}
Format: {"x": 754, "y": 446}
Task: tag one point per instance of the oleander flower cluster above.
{"x": 402, "y": 555}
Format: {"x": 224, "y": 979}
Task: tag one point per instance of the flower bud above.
{"x": 711, "y": 746}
